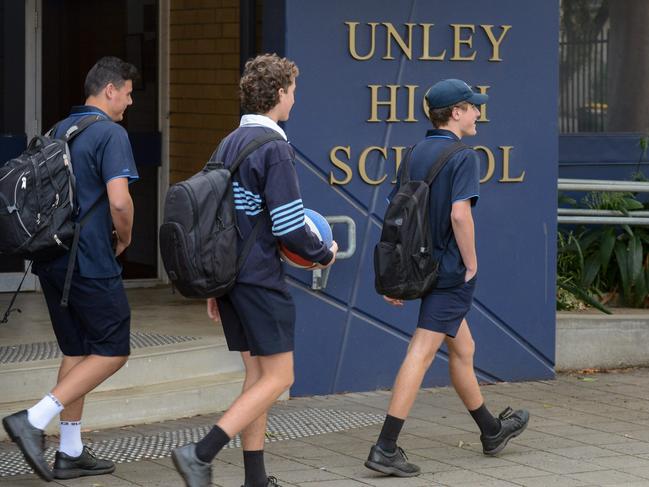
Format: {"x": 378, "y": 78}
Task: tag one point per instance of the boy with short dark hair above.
{"x": 93, "y": 332}
{"x": 258, "y": 314}
{"x": 452, "y": 106}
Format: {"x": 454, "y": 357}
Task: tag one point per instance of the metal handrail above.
{"x": 587, "y": 216}
{"x": 602, "y": 185}
{"x": 321, "y": 276}
{"x": 603, "y": 220}
{"x": 593, "y": 212}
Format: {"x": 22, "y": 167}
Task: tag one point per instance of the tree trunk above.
{"x": 628, "y": 66}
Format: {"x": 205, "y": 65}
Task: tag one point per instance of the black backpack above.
{"x": 403, "y": 262}
{"x": 37, "y": 201}
{"x": 198, "y": 237}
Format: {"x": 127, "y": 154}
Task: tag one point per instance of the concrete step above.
{"x": 158, "y": 383}
{"x": 587, "y": 340}
{"x": 149, "y": 365}
{"x": 150, "y": 403}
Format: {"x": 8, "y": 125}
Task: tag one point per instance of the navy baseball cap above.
{"x": 448, "y": 92}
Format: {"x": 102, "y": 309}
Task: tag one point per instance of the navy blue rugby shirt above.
{"x": 459, "y": 180}
{"x": 266, "y": 186}
{"x": 102, "y": 152}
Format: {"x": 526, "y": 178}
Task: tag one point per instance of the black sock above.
{"x": 488, "y": 425}
{"x": 253, "y": 462}
{"x": 390, "y": 433}
{"x": 212, "y": 443}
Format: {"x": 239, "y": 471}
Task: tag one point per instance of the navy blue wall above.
{"x": 602, "y": 156}
{"x": 348, "y": 338}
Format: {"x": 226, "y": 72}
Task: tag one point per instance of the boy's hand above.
{"x": 213, "y": 310}
{"x": 393, "y": 302}
{"x": 118, "y": 245}
{"x": 334, "y": 250}
{"x": 470, "y": 274}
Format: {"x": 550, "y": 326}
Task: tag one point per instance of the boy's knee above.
{"x": 422, "y": 355}
{"x": 288, "y": 382}
{"x": 119, "y": 362}
{"x": 466, "y": 352}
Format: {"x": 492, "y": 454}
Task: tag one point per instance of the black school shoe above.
{"x": 512, "y": 424}
{"x": 30, "y": 440}
{"x": 270, "y": 482}
{"x": 194, "y": 472}
{"x": 67, "y": 467}
{"x": 391, "y": 463}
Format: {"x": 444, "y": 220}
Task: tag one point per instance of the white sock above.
{"x": 42, "y": 413}
{"x": 71, "y": 443}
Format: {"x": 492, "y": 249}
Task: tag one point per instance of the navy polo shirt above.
{"x": 102, "y": 152}
{"x": 458, "y": 180}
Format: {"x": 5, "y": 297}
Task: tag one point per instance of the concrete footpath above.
{"x": 585, "y": 430}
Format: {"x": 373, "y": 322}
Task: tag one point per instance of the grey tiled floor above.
{"x": 592, "y": 432}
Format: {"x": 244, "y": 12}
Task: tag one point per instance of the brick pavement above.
{"x": 586, "y": 430}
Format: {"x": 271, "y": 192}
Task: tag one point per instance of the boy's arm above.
{"x": 121, "y": 211}
{"x": 284, "y": 203}
{"x": 463, "y": 229}
{"x": 117, "y": 170}
{"x": 465, "y": 192}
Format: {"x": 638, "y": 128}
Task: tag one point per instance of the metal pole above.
{"x": 630, "y": 187}
{"x": 592, "y": 212}
{"x": 603, "y": 220}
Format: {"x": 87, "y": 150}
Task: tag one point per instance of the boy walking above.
{"x": 258, "y": 314}
{"x": 453, "y": 111}
{"x": 93, "y": 331}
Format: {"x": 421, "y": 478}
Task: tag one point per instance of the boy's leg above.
{"x": 419, "y": 357}
{"x": 276, "y": 377}
{"x": 385, "y": 457}
{"x": 193, "y": 460}
{"x": 461, "y": 349}
{"x": 97, "y": 320}
{"x": 77, "y": 377}
{"x": 70, "y": 433}
{"x": 494, "y": 432}
{"x": 254, "y": 435}
{"x": 85, "y": 376}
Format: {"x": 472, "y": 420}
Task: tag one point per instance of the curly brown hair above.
{"x": 441, "y": 116}
{"x": 262, "y": 78}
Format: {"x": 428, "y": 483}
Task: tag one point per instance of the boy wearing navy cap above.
{"x": 453, "y": 111}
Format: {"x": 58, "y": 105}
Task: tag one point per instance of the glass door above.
{"x": 12, "y": 113}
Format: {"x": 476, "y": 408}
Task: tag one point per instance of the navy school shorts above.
{"x": 97, "y": 320}
{"x": 444, "y": 309}
{"x": 258, "y": 320}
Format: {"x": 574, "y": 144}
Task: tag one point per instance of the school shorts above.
{"x": 97, "y": 320}
{"x": 258, "y": 320}
{"x": 443, "y": 309}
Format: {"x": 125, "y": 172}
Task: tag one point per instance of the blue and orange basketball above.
{"x": 320, "y": 227}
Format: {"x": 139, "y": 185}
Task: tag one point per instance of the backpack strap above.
{"x": 437, "y": 167}
{"x": 252, "y": 146}
{"x": 82, "y": 125}
{"x": 217, "y": 156}
{"x": 404, "y": 176}
{"x": 77, "y": 128}
{"x": 73, "y": 250}
{"x": 443, "y": 159}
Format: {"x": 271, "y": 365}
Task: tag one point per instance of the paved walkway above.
{"x": 586, "y": 430}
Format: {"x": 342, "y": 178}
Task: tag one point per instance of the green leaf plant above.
{"x": 602, "y": 264}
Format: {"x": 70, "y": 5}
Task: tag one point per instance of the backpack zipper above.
{"x": 22, "y": 177}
